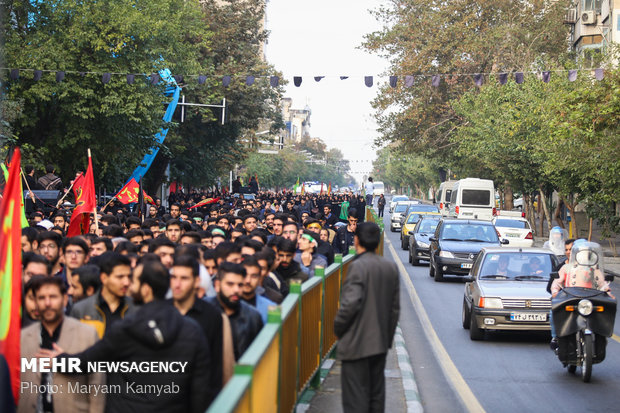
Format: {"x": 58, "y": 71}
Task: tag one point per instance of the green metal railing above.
{"x": 285, "y": 358}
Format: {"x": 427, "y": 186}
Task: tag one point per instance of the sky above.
{"x": 322, "y": 38}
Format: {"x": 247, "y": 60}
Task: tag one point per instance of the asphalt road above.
{"x": 507, "y": 372}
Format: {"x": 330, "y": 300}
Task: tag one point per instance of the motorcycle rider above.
{"x": 584, "y": 269}
{"x": 556, "y": 241}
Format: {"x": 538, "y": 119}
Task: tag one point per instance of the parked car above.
{"x": 507, "y": 290}
{"x": 419, "y": 244}
{"x": 414, "y": 213}
{"x": 472, "y": 198}
{"x": 399, "y": 209}
{"x": 396, "y": 199}
{"x": 515, "y": 229}
{"x": 456, "y": 244}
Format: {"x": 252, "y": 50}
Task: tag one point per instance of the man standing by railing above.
{"x": 366, "y": 322}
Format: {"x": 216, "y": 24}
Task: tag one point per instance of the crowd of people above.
{"x": 180, "y": 283}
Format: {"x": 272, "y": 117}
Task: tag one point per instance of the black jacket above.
{"x": 342, "y": 241}
{"x": 245, "y": 324}
{"x": 156, "y": 333}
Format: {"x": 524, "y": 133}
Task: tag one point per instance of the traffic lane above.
{"x": 516, "y": 366}
{"x": 435, "y": 391}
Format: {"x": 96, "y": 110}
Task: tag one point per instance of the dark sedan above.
{"x": 456, "y": 244}
{"x": 419, "y": 244}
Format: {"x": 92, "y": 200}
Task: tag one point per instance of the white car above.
{"x": 515, "y": 229}
{"x": 399, "y": 209}
{"x": 397, "y": 198}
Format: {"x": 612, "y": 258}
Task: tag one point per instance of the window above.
{"x": 476, "y": 197}
{"x": 511, "y": 223}
{"x": 591, "y": 5}
{"x": 448, "y": 193}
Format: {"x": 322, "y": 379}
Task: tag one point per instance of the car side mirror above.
{"x": 432, "y": 239}
{"x": 554, "y": 275}
{"x": 504, "y": 241}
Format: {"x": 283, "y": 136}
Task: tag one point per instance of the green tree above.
{"x": 85, "y": 38}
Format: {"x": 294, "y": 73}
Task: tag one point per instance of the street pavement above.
{"x": 506, "y": 372}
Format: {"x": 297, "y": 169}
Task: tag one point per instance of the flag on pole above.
{"x": 321, "y": 193}
{"x": 303, "y": 188}
{"x": 296, "y": 186}
{"x": 205, "y": 202}
{"x": 10, "y": 272}
{"x": 85, "y": 203}
{"x": 24, "y": 220}
{"x": 148, "y": 199}
{"x": 257, "y": 184}
{"x": 329, "y": 188}
{"x": 129, "y": 193}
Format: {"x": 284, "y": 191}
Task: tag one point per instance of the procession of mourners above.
{"x": 190, "y": 282}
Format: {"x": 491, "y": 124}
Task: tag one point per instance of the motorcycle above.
{"x": 583, "y": 319}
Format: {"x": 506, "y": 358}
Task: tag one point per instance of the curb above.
{"x": 412, "y": 396}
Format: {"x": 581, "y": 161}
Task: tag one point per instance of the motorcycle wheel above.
{"x": 588, "y": 349}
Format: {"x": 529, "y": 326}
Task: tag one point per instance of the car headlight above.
{"x": 446, "y": 254}
{"x": 490, "y": 302}
{"x": 423, "y": 245}
{"x": 585, "y": 307}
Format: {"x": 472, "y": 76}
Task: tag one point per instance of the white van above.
{"x": 378, "y": 188}
{"x": 443, "y": 196}
{"x": 473, "y": 198}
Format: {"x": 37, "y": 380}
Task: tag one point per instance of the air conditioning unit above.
{"x": 571, "y": 16}
{"x": 588, "y": 17}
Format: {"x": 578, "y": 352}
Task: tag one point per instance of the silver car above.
{"x": 396, "y": 199}
{"x": 507, "y": 290}
{"x": 399, "y": 209}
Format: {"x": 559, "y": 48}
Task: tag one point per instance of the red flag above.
{"x": 129, "y": 193}
{"x": 77, "y": 183}
{"x": 329, "y": 188}
{"x": 10, "y": 272}
{"x": 257, "y": 184}
{"x": 148, "y": 199}
{"x": 321, "y": 193}
{"x": 85, "y": 203}
{"x": 205, "y": 202}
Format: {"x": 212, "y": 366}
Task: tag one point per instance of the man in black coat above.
{"x": 345, "y": 234}
{"x": 366, "y": 322}
{"x": 156, "y": 333}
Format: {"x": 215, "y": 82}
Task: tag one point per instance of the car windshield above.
{"x": 469, "y": 233}
{"x": 399, "y": 198}
{"x": 516, "y": 266}
{"x": 400, "y": 208}
{"x": 511, "y": 223}
{"x": 428, "y": 225}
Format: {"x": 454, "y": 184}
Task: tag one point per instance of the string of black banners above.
{"x": 274, "y": 81}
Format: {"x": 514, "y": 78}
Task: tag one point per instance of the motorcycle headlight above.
{"x": 585, "y": 307}
{"x": 446, "y": 254}
{"x": 423, "y": 245}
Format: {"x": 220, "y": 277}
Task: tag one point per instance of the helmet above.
{"x": 586, "y": 254}
{"x": 557, "y": 240}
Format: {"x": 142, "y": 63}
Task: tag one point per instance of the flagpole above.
{"x": 65, "y": 195}
{"x": 27, "y": 186}
{"x": 96, "y": 217}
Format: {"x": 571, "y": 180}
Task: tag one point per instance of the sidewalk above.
{"x": 401, "y": 392}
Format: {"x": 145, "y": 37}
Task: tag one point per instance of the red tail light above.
{"x": 456, "y": 210}
{"x": 441, "y": 205}
{"x": 529, "y": 236}
{"x": 495, "y": 211}
{"x": 522, "y": 214}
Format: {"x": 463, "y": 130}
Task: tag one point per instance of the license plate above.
{"x": 514, "y": 235}
{"x": 466, "y": 265}
{"x": 528, "y": 317}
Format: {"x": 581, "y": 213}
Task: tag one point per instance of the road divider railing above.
{"x": 286, "y": 356}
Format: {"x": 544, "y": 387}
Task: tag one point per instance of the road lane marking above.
{"x": 616, "y": 337}
{"x": 454, "y": 377}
